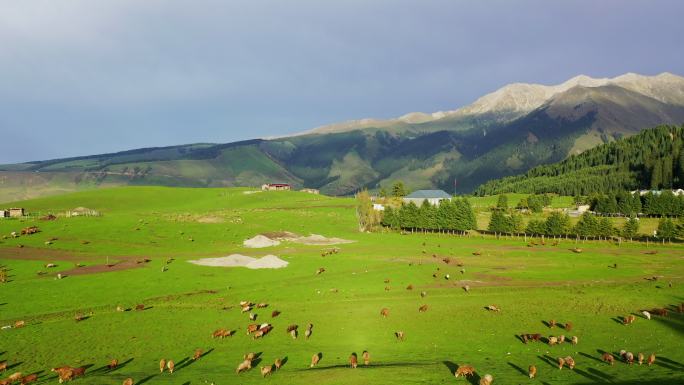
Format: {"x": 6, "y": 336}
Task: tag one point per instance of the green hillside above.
{"x": 652, "y": 159}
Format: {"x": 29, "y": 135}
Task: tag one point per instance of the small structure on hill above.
{"x": 276, "y": 187}
{"x": 310, "y": 191}
{"x": 4, "y": 213}
{"x": 432, "y": 196}
{"x": 16, "y": 212}
{"x": 82, "y": 212}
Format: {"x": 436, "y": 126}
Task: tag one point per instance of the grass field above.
{"x": 187, "y": 302}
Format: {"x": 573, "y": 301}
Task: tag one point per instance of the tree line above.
{"x": 652, "y": 159}
{"x": 450, "y": 215}
{"x": 663, "y": 204}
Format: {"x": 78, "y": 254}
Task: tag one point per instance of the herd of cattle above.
{"x": 257, "y": 331}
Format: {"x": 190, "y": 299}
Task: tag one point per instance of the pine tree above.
{"x": 398, "y": 189}
{"x": 502, "y": 202}
{"x": 631, "y": 228}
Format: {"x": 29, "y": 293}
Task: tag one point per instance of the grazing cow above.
{"x": 278, "y": 363}
{"x": 492, "y": 308}
{"x": 552, "y": 323}
{"x": 568, "y": 326}
{"x": 399, "y": 335}
{"x": 466, "y": 288}
{"x": 19, "y": 324}
{"x": 353, "y": 361}
{"x": 486, "y": 380}
{"x": 113, "y": 364}
{"x": 307, "y": 333}
{"x": 120, "y": 308}
{"x": 646, "y": 314}
{"x": 384, "y": 312}
{"x": 261, "y": 305}
{"x": 220, "y": 333}
{"x": 197, "y": 355}
{"x": 15, "y": 377}
{"x": 275, "y": 314}
{"x": 574, "y": 340}
{"x": 423, "y": 294}
{"x": 249, "y": 356}
{"x": 128, "y": 381}
{"x": 162, "y": 365}
{"x": 680, "y": 308}
{"x": 140, "y": 307}
{"x": 252, "y": 317}
{"x": 628, "y": 357}
{"x": 387, "y": 280}
{"x": 320, "y": 270}
{"x": 3, "y": 366}
{"x": 660, "y": 312}
{"x": 651, "y": 359}
{"x": 387, "y": 288}
{"x": 524, "y": 338}
{"x": 244, "y": 366}
{"x": 293, "y": 333}
{"x": 292, "y": 327}
{"x": 29, "y": 379}
{"x": 570, "y": 362}
{"x": 366, "y": 357}
{"x": 628, "y": 320}
{"x": 608, "y": 358}
{"x": 640, "y": 358}
{"x": 5, "y": 382}
{"x": 553, "y": 341}
{"x": 532, "y": 371}
{"x": 79, "y": 317}
{"x": 79, "y": 371}
{"x": 423, "y": 308}
{"x": 314, "y": 359}
{"x": 561, "y": 339}
{"x": 561, "y": 363}
{"x": 465, "y": 371}
{"x": 266, "y": 370}
{"x": 171, "y": 366}
{"x": 251, "y": 328}
{"x": 409, "y": 287}
{"x": 246, "y": 308}
{"x": 258, "y": 334}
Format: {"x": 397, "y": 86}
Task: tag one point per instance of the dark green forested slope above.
{"x": 652, "y": 159}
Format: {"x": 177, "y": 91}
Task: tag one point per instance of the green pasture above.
{"x": 186, "y": 303}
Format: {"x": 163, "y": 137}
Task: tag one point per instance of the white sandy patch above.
{"x": 260, "y": 241}
{"x": 315, "y": 239}
{"x": 251, "y": 192}
{"x": 238, "y": 260}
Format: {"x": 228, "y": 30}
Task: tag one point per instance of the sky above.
{"x": 81, "y": 77}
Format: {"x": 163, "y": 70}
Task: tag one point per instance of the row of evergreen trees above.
{"x": 665, "y": 204}
{"x": 454, "y": 215}
{"x": 652, "y": 159}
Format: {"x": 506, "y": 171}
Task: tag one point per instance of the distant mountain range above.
{"x": 503, "y": 133}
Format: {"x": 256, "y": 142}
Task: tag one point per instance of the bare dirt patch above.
{"x": 238, "y": 260}
{"x": 274, "y": 239}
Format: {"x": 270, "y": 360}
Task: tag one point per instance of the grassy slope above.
{"x": 549, "y": 283}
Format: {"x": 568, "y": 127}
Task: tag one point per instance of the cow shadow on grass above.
{"x": 667, "y": 363}
{"x": 617, "y": 320}
{"x": 597, "y": 379}
{"x": 518, "y": 368}
{"x": 549, "y": 360}
{"x": 105, "y": 369}
{"x": 144, "y": 380}
{"x": 187, "y": 361}
{"x": 14, "y": 365}
{"x": 590, "y": 357}
{"x": 519, "y": 338}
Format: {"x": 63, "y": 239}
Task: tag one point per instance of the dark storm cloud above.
{"x": 81, "y": 77}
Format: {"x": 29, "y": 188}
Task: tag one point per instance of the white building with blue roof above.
{"x": 432, "y": 196}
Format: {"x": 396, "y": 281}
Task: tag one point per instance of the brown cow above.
{"x": 251, "y": 328}
{"x": 628, "y": 320}
{"x": 366, "y": 358}
{"x": 249, "y": 356}
{"x": 113, "y": 364}
{"x": 575, "y": 340}
{"x": 244, "y": 366}
{"x": 261, "y": 305}
{"x": 162, "y": 365}
{"x": 275, "y": 313}
{"x": 568, "y": 326}
{"x": 561, "y": 363}
{"x": 278, "y": 363}
{"x": 19, "y": 324}
{"x": 15, "y": 377}
{"x": 465, "y": 371}
{"x": 384, "y": 312}
{"x": 570, "y": 362}
{"x": 608, "y": 358}
{"x": 409, "y": 287}
{"x": 78, "y": 371}
{"x": 423, "y": 308}
{"x": 128, "y": 381}
{"x": 197, "y": 355}
{"x": 552, "y": 323}
{"x": 3, "y": 366}
{"x": 487, "y": 380}
{"x": 140, "y": 307}
{"x": 5, "y": 382}
{"x": 314, "y": 359}
{"x": 266, "y": 370}
{"x": 651, "y": 359}
{"x": 532, "y": 371}
{"x": 553, "y": 341}
{"x": 353, "y": 361}
{"x": 29, "y": 379}
{"x": 171, "y": 366}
